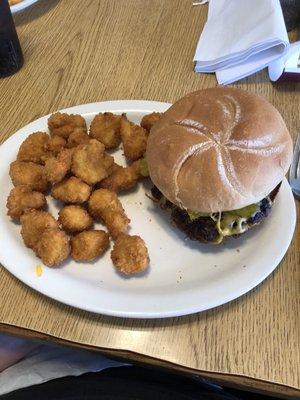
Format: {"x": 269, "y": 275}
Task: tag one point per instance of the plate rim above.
{"x": 145, "y": 106}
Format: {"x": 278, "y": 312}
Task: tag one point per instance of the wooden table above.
{"x": 142, "y": 49}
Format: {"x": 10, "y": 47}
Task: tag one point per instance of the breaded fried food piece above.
{"x": 56, "y": 168}
{"x": 56, "y": 144}
{"x": 105, "y": 127}
{"x": 88, "y": 245}
{"x": 108, "y": 163}
{"x": 35, "y": 148}
{"x": 116, "y": 223}
{"x": 134, "y": 139}
{"x": 78, "y": 136}
{"x": 71, "y": 190}
{"x": 122, "y": 178}
{"x": 149, "y": 120}
{"x": 89, "y": 163}
{"x": 53, "y": 247}
{"x": 130, "y": 255}
{"x": 105, "y": 206}
{"x": 28, "y": 174}
{"x": 34, "y": 223}
{"x": 21, "y": 199}
{"x": 63, "y": 125}
{"x": 75, "y": 218}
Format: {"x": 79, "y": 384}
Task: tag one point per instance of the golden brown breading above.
{"x": 105, "y": 206}
{"x": 71, "y": 190}
{"x": 130, "y": 254}
{"x": 56, "y": 144}
{"x": 149, "y": 120}
{"x": 34, "y": 223}
{"x": 53, "y": 247}
{"x": 21, "y": 199}
{"x": 88, "y": 245}
{"x": 56, "y": 168}
{"x": 105, "y": 127}
{"x": 89, "y": 163}
{"x": 102, "y": 200}
{"x": 134, "y": 139}
{"x": 108, "y": 163}
{"x": 116, "y": 223}
{"x": 28, "y": 174}
{"x": 122, "y": 178}
{"x": 78, "y": 136}
{"x": 63, "y": 125}
{"x": 75, "y": 218}
{"x": 35, "y": 148}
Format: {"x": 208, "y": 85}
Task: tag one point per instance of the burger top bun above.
{"x": 218, "y": 149}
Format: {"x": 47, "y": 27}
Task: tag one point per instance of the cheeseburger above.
{"x": 216, "y": 159}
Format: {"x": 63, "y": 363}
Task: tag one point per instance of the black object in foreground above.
{"x": 129, "y": 383}
{"x": 11, "y": 57}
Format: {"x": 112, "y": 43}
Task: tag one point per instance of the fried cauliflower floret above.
{"x": 57, "y": 167}
{"x": 116, "y": 223}
{"x": 89, "y": 162}
{"x": 71, "y": 190}
{"x": 88, "y": 245}
{"x": 122, "y": 178}
{"x": 56, "y": 144}
{"x": 105, "y": 127}
{"x": 28, "y": 174}
{"x": 53, "y": 247}
{"x": 75, "y": 218}
{"x": 105, "y": 206}
{"x": 134, "y": 139}
{"x": 108, "y": 163}
{"x": 21, "y": 199}
{"x": 34, "y": 223}
{"x": 130, "y": 255}
{"x": 35, "y": 148}
{"x": 149, "y": 120}
{"x": 64, "y": 124}
{"x": 77, "y": 137}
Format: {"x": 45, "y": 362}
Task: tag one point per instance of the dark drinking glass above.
{"x": 11, "y": 57}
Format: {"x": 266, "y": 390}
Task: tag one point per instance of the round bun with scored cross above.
{"x": 217, "y": 150}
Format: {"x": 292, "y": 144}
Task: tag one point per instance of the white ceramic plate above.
{"x": 22, "y": 5}
{"x": 184, "y": 277}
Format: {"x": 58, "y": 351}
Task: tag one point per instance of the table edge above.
{"x": 231, "y": 380}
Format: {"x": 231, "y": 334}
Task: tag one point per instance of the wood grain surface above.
{"x": 143, "y": 49}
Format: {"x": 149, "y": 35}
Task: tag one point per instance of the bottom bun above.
{"x": 213, "y": 228}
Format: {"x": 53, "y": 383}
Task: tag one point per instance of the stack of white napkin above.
{"x": 47, "y": 362}
{"x": 242, "y": 37}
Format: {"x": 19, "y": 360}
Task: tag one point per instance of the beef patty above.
{"x": 204, "y": 228}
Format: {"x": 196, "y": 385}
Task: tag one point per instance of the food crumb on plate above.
{"x": 238, "y": 250}
{"x": 179, "y": 276}
{"x": 38, "y": 270}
